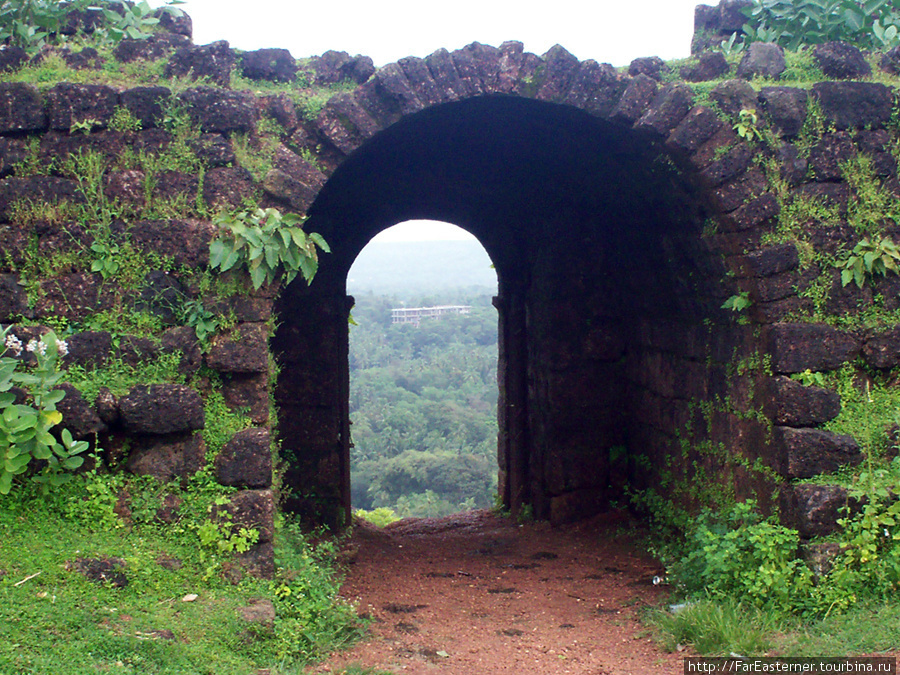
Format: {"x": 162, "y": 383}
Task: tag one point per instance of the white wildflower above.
{"x": 32, "y": 345}
{"x": 62, "y": 347}
{"x": 13, "y": 344}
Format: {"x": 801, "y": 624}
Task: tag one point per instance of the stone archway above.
{"x": 608, "y": 295}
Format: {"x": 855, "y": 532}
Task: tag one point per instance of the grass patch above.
{"x": 119, "y": 377}
{"x": 59, "y": 621}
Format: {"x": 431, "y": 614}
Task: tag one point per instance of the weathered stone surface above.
{"x": 125, "y": 187}
{"x": 161, "y": 409}
{"x": 186, "y": 242}
{"x": 732, "y": 96}
{"x": 12, "y": 151}
{"x": 734, "y": 163}
{"x": 651, "y": 66}
{"x": 259, "y": 561}
{"x": 246, "y": 460}
{"x": 259, "y": 611}
{"x": 768, "y": 261}
{"x": 275, "y": 65}
{"x": 667, "y": 109}
{"x": 71, "y": 103}
{"x": 213, "y": 61}
{"x": 813, "y": 510}
{"x": 246, "y": 350}
{"x": 221, "y": 111}
{"x": 596, "y": 88}
{"x": 178, "y": 23}
{"x": 764, "y": 59}
{"x": 103, "y": 570}
{"x": 89, "y": 349}
{"x": 333, "y": 67}
{"x": 876, "y": 144}
{"x": 854, "y": 105}
{"x": 145, "y": 103}
{"x": 283, "y": 187}
{"x": 842, "y": 61}
{"x": 228, "y": 187}
{"x": 698, "y": 126}
{"x": 820, "y": 557}
{"x": 786, "y": 109}
{"x": 799, "y": 406}
{"x": 167, "y": 457}
{"x": 827, "y": 156}
{"x": 168, "y": 512}
{"x": 576, "y": 505}
{"x": 793, "y": 166}
{"x": 21, "y": 108}
{"x": 890, "y": 61}
{"x": 251, "y": 509}
{"x": 13, "y": 299}
{"x": 134, "y": 349}
{"x": 249, "y": 393}
{"x": 809, "y": 452}
{"x": 86, "y": 59}
{"x": 751, "y": 214}
{"x": 740, "y": 190}
{"x": 79, "y": 417}
{"x": 798, "y": 347}
{"x": 183, "y": 339}
{"x": 152, "y": 48}
{"x": 107, "y": 406}
{"x": 882, "y": 350}
{"x": 12, "y": 58}
{"x": 636, "y": 99}
{"x": 560, "y": 68}
{"x": 710, "y": 66}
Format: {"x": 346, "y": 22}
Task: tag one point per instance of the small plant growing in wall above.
{"x": 746, "y": 126}
{"x": 738, "y": 302}
{"x": 869, "y": 258}
{"x": 268, "y": 244}
{"x": 25, "y": 426}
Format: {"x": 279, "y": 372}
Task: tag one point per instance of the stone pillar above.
{"x": 311, "y": 348}
{"x": 512, "y": 406}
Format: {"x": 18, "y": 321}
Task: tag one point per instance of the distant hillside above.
{"x": 416, "y": 268}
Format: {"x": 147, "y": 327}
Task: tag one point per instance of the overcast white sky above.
{"x": 608, "y": 31}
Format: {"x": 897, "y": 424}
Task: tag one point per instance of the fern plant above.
{"x": 268, "y": 244}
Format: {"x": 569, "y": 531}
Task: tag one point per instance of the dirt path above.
{"x": 477, "y": 594}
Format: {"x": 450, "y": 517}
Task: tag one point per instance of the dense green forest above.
{"x": 423, "y": 402}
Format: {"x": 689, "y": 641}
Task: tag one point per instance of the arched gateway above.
{"x": 609, "y": 206}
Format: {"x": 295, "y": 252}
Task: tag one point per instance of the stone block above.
{"x": 841, "y": 61}
{"x": 651, "y": 66}
{"x": 786, "y": 109}
{"x": 732, "y": 96}
{"x": 710, "y": 66}
{"x": 636, "y": 99}
{"x": 577, "y": 505}
{"x": 882, "y": 350}
{"x": 855, "y": 105}
{"x": 71, "y": 103}
{"x": 764, "y": 59}
{"x": 213, "y": 61}
{"x": 79, "y": 416}
{"x": 229, "y": 187}
{"x": 668, "y": 108}
{"x": 252, "y": 509}
{"x": 246, "y": 350}
{"x": 166, "y": 457}
{"x": 809, "y": 452}
{"x": 800, "y": 406}
{"x": 146, "y": 104}
{"x": 248, "y": 393}
{"x": 275, "y": 65}
{"x": 827, "y": 156}
{"x": 161, "y": 409}
{"x": 751, "y": 214}
{"x": 222, "y": 111}
{"x": 733, "y": 164}
{"x": 798, "y": 347}
{"x": 246, "y": 460}
{"x": 89, "y": 349}
{"x": 698, "y": 126}
{"x": 21, "y": 108}
{"x": 768, "y": 261}
{"x": 813, "y": 510}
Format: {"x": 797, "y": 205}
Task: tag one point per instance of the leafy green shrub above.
{"x": 25, "y": 427}
{"x": 739, "y": 554}
{"x": 268, "y": 244}
{"x": 871, "y": 24}
{"x": 869, "y": 258}
{"x": 379, "y": 517}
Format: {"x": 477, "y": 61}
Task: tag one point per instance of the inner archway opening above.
{"x": 423, "y": 374}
